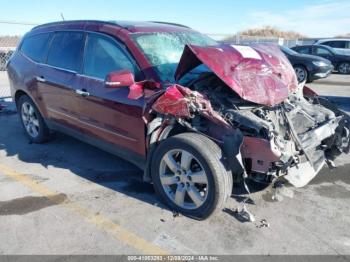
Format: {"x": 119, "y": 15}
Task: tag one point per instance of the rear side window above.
{"x": 102, "y": 56}
{"x": 66, "y": 50}
{"x": 36, "y": 47}
{"x": 304, "y": 50}
{"x": 336, "y": 44}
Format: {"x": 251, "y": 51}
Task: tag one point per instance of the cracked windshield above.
{"x": 164, "y": 50}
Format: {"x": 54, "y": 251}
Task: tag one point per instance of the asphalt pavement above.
{"x": 66, "y": 197}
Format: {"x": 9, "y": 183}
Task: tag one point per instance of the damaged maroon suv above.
{"x": 194, "y": 114}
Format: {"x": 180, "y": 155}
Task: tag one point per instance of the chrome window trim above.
{"x": 119, "y": 45}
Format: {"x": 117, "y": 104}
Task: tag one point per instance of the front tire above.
{"x": 189, "y": 176}
{"x": 344, "y": 68}
{"x": 33, "y": 123}
{"x": 302, "y": 74}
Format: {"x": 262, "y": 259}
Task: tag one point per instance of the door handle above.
{"x": 40, "y": 79}
{"x": 82, "y": 92}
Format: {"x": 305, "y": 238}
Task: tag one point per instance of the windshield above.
{"x": 288, "y": 51}
{"x": 164, "y": 49}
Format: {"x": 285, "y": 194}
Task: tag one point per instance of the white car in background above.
{"x": 342, "y": 45}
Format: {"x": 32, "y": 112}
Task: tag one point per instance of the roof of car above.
{"x": 333, "y": 39}
{"x": 132, "y": 26}
{"x": 325, "y": 46}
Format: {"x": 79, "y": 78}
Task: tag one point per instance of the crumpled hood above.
{"x": 259, "y": 73}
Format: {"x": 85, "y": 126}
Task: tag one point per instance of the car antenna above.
{"x": 62, "y": 17}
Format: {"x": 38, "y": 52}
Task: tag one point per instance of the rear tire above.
{"x": 189, "y": 177}
{"x": 33, "y": 123}
{"x": 344, "y": 68}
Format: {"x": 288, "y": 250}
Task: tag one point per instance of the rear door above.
{"x": 58, "y": 78}
{"x": 107, "y": 113}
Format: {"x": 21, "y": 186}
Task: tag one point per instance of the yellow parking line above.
{"x": 115, "y": 230}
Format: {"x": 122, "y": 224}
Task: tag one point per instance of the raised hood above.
{"x": 259, "y": 73}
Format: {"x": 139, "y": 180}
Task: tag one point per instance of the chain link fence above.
{"x": 7, "y": 47}
{"x": 10, "y": 36}
{"x": 11, "y": 33}
{"x": 247, "y": 40}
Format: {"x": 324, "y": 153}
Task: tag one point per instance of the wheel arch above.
{"x": 20, "y": 92}
{"x": 160, "y": 130}
{"x": 302, "y": 65}
{"x": 167, "y": 129}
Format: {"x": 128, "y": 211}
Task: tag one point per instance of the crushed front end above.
{"x": 250, "y": 103}
{"x": 292, "y": 140}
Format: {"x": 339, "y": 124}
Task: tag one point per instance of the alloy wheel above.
{"x": 344, "y": 68}
{"x": 301, "y": 74}
{"x": 30, "y": 119}
{"x": 183, "y": 179}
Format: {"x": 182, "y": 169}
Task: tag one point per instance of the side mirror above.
{"x": 119, "y": 79}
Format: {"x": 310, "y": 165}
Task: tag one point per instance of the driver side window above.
{"x": 102, "y": 56}
{"x": 322, "y": 51}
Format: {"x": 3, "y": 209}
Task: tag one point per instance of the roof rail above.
{"x": 76, "y": 21}
{"x": 169, "y": 23}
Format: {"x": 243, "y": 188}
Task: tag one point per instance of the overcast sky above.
{"x": 313, "y": 18}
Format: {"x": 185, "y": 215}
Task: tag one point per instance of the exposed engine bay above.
{"x": 268, "y": 126}
{"x": 293, "y": 139}
{"x": 302, "y": 133}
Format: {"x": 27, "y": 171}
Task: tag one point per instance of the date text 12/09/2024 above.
{"x": 173, "y": 258}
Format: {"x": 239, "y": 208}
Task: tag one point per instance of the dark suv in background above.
{"x": 308, "y": 67}
{"x": 340, "y": 61}
{"x": 194, "y": 114}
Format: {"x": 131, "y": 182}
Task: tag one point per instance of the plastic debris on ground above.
{"x": 246, "y": 215}
{"x": 262, "y": 223}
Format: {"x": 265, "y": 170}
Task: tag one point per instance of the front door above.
{"x": 107, "y": 113}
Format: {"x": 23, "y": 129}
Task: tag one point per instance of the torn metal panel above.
{"x": 314, "y": 137}
{"x": 262, "y": 152}
{"x": 181, "y": 101}
{"x": 137, "y": 89}
{"x": 232, "y": 147}
{"x": 260, "y": 74}
{"x": 173, "y": 102}
{"x": 301, "y": 174}
{"x": 307, "y": 91}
